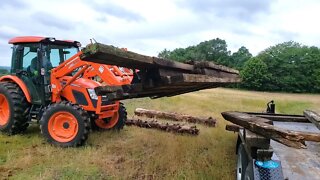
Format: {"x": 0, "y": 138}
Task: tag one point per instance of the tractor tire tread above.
{"x": 76, "y": 108}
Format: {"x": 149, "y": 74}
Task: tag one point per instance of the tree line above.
{"x": 3, "y": 71}
{"x": 286, "y": 67}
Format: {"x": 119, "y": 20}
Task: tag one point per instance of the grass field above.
{"x": 136, "y": 153}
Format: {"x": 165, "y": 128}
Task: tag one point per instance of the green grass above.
{"x": 137, "y": 153}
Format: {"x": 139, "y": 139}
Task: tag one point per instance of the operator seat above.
{"x": 32, "y": 69}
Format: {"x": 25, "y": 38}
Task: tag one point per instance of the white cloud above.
{"x": 149, "y": 26}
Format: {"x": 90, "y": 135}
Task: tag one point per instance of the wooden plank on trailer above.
{"x": 281, "y": 117}
{"x": 312, "y": 117}
{"x": 260, "y": 126}
{"x": 233, "y": 127}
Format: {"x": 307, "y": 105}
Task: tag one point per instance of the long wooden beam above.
{"x": 107, "y": 54}
{"x": 175, "y": 116}
{"x": 174, "y": 128}
{"x": 281, "y": 117}
{"x": 312, "y": 117}
{"x": 260, "y": 126}
{"x": 158, "y": 77}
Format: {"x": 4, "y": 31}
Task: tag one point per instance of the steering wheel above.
{"x": 23, "y": 72}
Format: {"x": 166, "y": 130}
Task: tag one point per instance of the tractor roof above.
{"x": 37, "y": 39}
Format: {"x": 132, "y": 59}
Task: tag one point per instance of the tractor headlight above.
{"x": 92, "y": 94}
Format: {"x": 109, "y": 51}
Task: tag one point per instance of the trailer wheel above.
{"x": 242, "y": 162}
{"x": 65, "y": 124}
{"x": 13, "y": 109}
{"x": 117, "y": 122}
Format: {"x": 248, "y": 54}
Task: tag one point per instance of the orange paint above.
{"x": 4, "y": 110}
{"x": 63, "y": 126}
{"x": 26, "y": 39}
{"x": 109, "y": 124}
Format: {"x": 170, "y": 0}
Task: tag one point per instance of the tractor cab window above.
{"x": 25, "y": 58}
{"x": 29, "y": 58}
{"x": 56, "y": 54}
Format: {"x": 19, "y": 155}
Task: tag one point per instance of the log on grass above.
{"x": 174, "y": 128}
{"x": 211, "y": 122}
{"x": 260, "y": 126}
{"x": 312, "y": 117}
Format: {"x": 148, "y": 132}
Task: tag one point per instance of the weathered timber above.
{"x": 312, "y": 117}
{"x": 169, "y": 86}
{"x": 175, "y": 128}
{"x": 211, "y": 65}
{"x": 233, "y": 127}
{"x": 175, "y": 116}
{"x": 260, "y": 126}
{"x": 107, "y": 54}
{"x": 173, "y": 78}
{"x": 281, "y": 117}
{"x": 218, "y": 73}
{"x": 196, "y": 78}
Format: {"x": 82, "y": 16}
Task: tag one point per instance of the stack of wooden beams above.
{"x": 158, "y": 77}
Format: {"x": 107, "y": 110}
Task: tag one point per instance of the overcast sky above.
{"x": 149, "y": 26}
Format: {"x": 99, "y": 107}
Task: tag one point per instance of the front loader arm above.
{"x": 66, "y": 68}
{"x": 105, "y": 74}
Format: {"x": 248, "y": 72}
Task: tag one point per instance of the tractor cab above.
{"x": 32, "y": 61}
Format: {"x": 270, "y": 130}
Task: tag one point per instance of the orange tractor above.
{"x": 49, "y": 83}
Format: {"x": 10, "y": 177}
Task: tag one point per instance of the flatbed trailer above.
{"x": 263, "y": 158}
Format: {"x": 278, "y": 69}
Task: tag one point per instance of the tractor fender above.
{"x": 21, "y": 84}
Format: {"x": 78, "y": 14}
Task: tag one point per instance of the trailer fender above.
{"x": 21, "y": 84}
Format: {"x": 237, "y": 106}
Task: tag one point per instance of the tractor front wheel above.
{"x": 65, "y": 124}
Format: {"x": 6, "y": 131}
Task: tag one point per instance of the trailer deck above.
{"x": 299, "y": 163}
{"x": 266, "y": 152}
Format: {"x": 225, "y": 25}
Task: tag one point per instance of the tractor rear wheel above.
{"x": 116, "y": 122}
{"x": 65, "y": 124}
{"x": 13, "y": 109}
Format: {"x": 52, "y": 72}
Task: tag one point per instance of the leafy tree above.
{"x": 214, "y": 50}
{"x": 254, "y": 74}
{"x": 292, "y": 67}
{"x": 165, "y": 54}
{"x": 240, "y": 57}
{"x": 288, "y": 66}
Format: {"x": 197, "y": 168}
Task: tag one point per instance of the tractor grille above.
{"x": 105, "y": 102}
